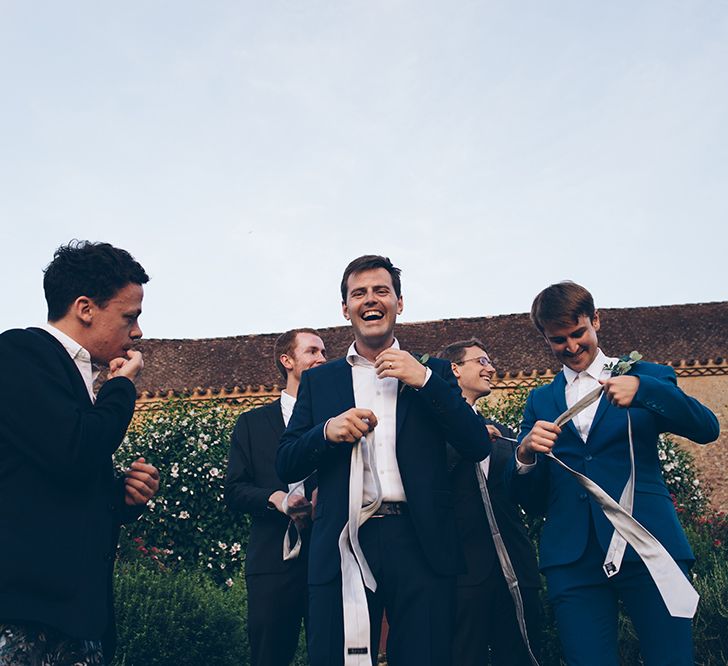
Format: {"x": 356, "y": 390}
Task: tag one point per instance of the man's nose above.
{"x": 136, "y": 333}
{"x": 572, "y": 346}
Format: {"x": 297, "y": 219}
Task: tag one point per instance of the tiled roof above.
{"x": 675, "y": 334}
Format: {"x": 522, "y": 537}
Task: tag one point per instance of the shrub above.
{"x": 187, "y": 521}
{"x": 178, "y": 618}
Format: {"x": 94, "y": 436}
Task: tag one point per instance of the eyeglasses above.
{"x": 483, "y": 360}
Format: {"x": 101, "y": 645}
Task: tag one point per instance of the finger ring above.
{"x": 391, "y": 365}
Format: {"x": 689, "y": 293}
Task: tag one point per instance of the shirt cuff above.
{"x": 523, "y": 468}
{"x": 428, "y": 374}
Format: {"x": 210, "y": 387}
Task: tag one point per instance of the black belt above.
{"x": 390, "y": 509}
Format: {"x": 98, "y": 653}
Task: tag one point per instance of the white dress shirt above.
{"x": 82, "y": 359}
{"x": 578, "y": 384}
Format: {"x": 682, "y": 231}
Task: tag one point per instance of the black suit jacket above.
{"x": 426, "y": 419}
{"x": 60, "y": 502}
{"x": 475, "y": 535}
{"x": 251, "y": 479}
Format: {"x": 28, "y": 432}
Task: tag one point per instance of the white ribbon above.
{"x": 288, "y": 552}
{"x": 675, "y": 589}
{"x": 356, "y": 576}
{"x": 505, "y": 561}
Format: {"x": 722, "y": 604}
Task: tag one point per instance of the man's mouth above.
{"x": 372, "y": 315}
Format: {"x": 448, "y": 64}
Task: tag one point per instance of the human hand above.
{"x": 401, "y": 365}
{"x": 141, "y": 483}
{"x": 126, "y": 367}
{"x": 541, "y": 439}
{"x": 299, "y": 510}
{"x": 621, "y": 390}
{"x": 493, "y": 432}
{"x": 276, "y": 499}
{"x": 350, "y": 426}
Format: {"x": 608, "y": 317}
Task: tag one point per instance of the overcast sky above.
{"x": 244, "y": 152}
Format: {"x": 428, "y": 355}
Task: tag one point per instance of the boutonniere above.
{"x": 624, "y": 364}
{"x": 422, "y": 360}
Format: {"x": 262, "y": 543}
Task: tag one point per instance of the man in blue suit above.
{"x": 409, "y": 410}
{"x": 576, "y": 534}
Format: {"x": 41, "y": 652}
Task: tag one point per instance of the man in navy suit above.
{"x": 277, "y": 589}
{"x": 486, "y": 622}
{"x": 61, "y": 504}
{"x": 576, "y": 534}
{"x": 409, "y": 410}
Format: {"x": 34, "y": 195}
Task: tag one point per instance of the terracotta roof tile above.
{"x": 675, "y": 334}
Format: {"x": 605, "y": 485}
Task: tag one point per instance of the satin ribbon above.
{"x": 356, "y": 576}
{"x": 679, "y": 595}
{"x": 288, "y": 552}
{"x": 505, "y": 561}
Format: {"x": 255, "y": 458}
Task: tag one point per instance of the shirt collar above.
{"x": 354, "y": 358}
{"x": 74, "y": 349}
{"x": 287, "y": 401}
{"x": 595, "y": 370}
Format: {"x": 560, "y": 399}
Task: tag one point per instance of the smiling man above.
{"x": 61, "y": 504}
{"x": 576, "y": 537}
{"x": 381, "y": 401}
{"x": 486, "y": 621}
{"x": 277, "y": 590}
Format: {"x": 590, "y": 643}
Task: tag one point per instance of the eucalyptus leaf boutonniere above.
{"x": 624, "y": 364}
{"x": 422, "y": 360}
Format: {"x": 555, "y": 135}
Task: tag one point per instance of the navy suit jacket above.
{"x": 426, "y": 420}
{"x": 659, "y": 406}
{"x": 251, "y": 479}
{"x": 60, "y": 503}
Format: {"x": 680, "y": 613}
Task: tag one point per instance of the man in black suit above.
{"x": 486, "y": 617}
{"x": 277, "y": 589}
{"x": 60, "y": 503}
{"x": 398, "y": 413}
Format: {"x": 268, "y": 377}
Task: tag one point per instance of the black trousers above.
{"x": 486, "y": 624}
{"x": 276, "y": 605}
{"x": 419, "y": 603}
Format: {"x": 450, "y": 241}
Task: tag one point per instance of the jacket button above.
{"x": 587, "y": 457}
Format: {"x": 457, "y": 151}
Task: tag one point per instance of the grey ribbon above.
{"x": 356, "y": 576}
{"x": 679, "y": 595}
{"x": 505, "y": 561}
{"x": 288, "y": 552}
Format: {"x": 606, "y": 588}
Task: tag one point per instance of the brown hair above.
{"x": 285, "y": 344}
{"x": 369, "y": 262}
{"x": 562, "y": 304}
{"x": 455, "y": 351}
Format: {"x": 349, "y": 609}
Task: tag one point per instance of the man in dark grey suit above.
{"x": 277, "y": 589}
{"x": 486, "y": 619}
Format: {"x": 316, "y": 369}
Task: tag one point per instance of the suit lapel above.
{"x": 275, "y": 418}
{"x": 342, "y": 388}
{"x": 601, "y": 410}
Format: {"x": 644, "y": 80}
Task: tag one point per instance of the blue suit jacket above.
{"x": 659, "y": 406}
{"x": 426, "y": 420}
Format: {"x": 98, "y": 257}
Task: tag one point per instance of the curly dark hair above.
{"x": 369, "y": 262}
{"x": 83, "y": 268}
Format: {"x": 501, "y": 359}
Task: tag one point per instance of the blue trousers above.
{"x": 585, "y": 606}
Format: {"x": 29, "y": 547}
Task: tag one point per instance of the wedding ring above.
{"x": 391, "y": 365}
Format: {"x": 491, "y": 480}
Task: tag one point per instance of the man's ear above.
{"x": 345, "y": 311}
{"x": 595, "y": 321}
{"x": 455, "y": 370}
{"x": 400, "y": 305}
{"x": 286, "y": 361}
{"x": 83, "y": 309}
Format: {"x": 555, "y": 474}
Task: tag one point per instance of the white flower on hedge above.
{"x": 174, "y": 471}
{"x": 184, "y": 515}
{"x": 234, "y": 549}
{"x": 221, "y": 545}
{"x": 229, "y": 582}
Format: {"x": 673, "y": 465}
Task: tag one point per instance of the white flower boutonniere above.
{"x": 624, "y": 364}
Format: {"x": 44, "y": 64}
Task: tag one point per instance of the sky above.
{"x": 244, "y": 152}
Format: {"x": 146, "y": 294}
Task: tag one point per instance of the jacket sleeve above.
{"x": 303, "y": 448}
{"x": 69, "y": 440}
{"x": 677, "y": 412}
{"x": 241, "y": 491}
{"x": 530, "y": 490}
{"x": 461, "y": 426}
